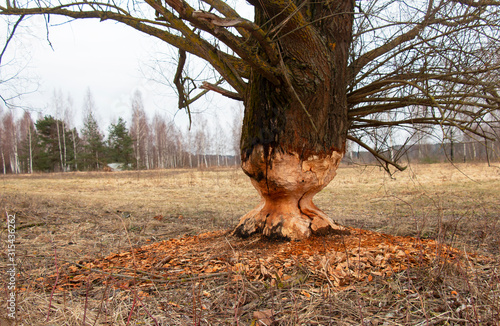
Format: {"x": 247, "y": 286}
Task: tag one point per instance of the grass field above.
{"x": 76, "y": 217}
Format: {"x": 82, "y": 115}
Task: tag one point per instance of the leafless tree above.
{"x": 58, "y": 105}
{"x": 9, "y": 142}
{"x": 160, "y": 141}
{"x": 312, "y": 74}
{"x": 69, "y": 125}
{"x": 201, "y": 136}
{"x": 91, "y": 134}
{"x": 2, "y": 143}
{"x": 166, "y": 142}
{"x": 27, "y": 133}
{"x": 140, "y": 132}
{"x": 236, "y": 132}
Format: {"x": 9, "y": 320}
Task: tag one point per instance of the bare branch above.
{"x": 254, "y": 30}
{"x": 228, "y": 12}
{"x": 10, "y": 37}
{"x": 359, "y": 63}
{"x": 178, "y": 82}
{"x": 190, "y": 42}
{"x": 200, "y": 20}
{"x": 376, "y": 154}
{"x": 480, "y": 3}
{"x": 211, "y": 87}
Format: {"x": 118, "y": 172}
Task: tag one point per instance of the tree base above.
{"x": 287, "y": 185}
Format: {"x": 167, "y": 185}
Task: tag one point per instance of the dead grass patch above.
{"x": 80, "y": 218}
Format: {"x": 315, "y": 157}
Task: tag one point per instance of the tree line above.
{"x": 52, "y": 144}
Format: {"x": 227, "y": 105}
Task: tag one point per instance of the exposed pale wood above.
{"x": 287, "y": 189}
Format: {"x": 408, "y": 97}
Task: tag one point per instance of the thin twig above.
{"x": 10, "y": 38}
{"x": 131, "y": 311}
{"x": 144, "y": 306}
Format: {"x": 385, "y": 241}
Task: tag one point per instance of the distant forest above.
{"x": 463, "y": 151}
{"x": 51, "y": 144}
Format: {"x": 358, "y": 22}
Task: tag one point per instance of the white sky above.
{"x": 109, "y": 58}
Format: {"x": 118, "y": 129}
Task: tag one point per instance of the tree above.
{"x": 59, "y": 104}
{"x": 220, "y": 142}
{"x": 47, "y": 152}
{"x": 140, "y": 132}
{"x": 201, "y": 137}
{"x": 2, "y": 145}
{"x": 28, "y": 139}
{"x": 120, "y": 148}
{"x": 236, "y": 132}
{"x": 93, "y": 144}
{"x": 166, "y": 146}
{"x": 312, "y": 74}
{"x": 10, "y": 141}
{"x": 75, "y": 139}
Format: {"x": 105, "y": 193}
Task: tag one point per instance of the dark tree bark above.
{"x": 294, "y": 132}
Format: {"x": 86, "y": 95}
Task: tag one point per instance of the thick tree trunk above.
{"x": 294, "y": 133}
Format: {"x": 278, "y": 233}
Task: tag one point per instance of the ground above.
{"x": 153, "y": 247}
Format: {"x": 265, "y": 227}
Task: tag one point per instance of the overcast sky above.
{"x": 111, "y": 59}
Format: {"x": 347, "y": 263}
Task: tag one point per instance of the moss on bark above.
{"x": 307, "y": 112}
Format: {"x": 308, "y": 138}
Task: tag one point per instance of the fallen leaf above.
{"x": 264, "y": 317}
{"x": 142, "y": 294}
{"x": 304, "y": 293}
{"x": 237, "y": 278}
{"x": 73, "y": 269}
{"x": 78, "y": 278}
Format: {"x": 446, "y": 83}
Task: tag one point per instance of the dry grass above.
{"x": 81, "y": 216}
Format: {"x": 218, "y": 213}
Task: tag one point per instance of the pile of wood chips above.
{"x": 339, "y": 260}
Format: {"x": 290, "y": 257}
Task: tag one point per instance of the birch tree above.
{"x": 10, "y": 142}
{"x": 28, "y": 140}
{"x": 139, "y": 131}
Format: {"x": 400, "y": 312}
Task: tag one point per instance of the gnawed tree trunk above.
{"x": 294, "y": 132}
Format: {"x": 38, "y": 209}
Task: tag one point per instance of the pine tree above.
{"x": 120, "y": 149}
{"x": 47, "y": 152}
{"x": 93, "y": 147}
{"x": 93, "y": 157}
